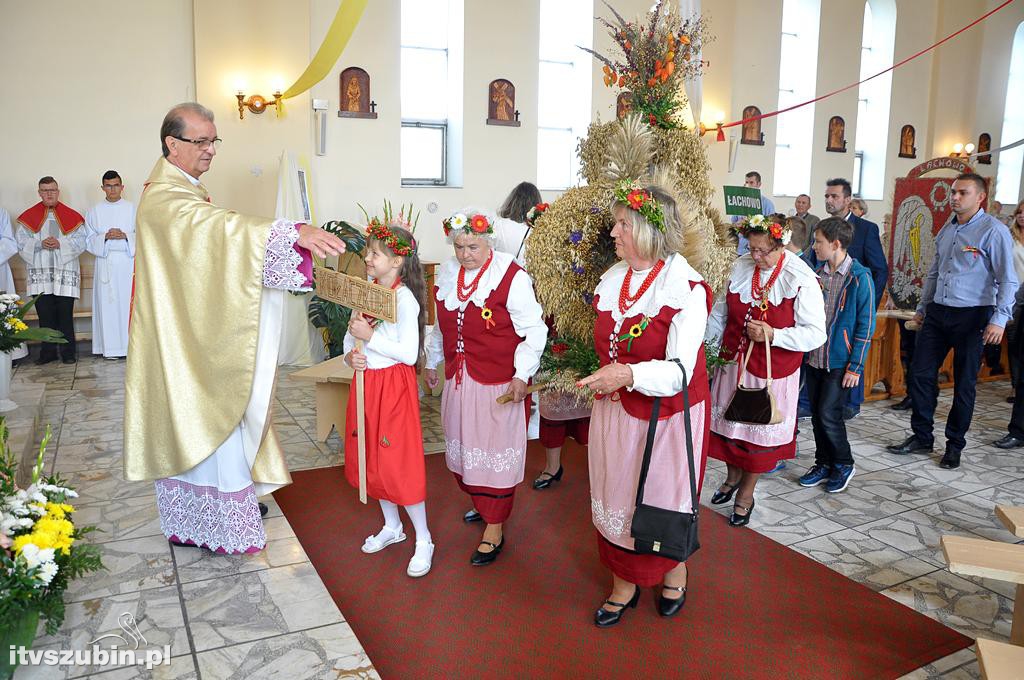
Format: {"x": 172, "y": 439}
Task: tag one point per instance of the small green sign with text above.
{"x": 742, "y": 201}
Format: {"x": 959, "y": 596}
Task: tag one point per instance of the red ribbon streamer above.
{"x": 880, "y": 73}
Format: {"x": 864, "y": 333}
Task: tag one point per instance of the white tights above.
{"x": 417, "y": 513}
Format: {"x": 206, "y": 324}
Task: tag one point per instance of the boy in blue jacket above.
{"x": 834, "y": 368}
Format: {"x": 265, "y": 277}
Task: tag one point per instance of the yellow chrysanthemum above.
{"x": 20, "y": 325}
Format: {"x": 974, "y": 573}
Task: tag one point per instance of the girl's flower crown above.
{"x": 536, "y": 211}
{"x": 381, "y": 232}
{"x": 474, "y": 225}
{"x": 759, "y": 224}
{"x": 630, "y": 194}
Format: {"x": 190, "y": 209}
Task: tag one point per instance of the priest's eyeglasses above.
{"x": 202, "y": 143}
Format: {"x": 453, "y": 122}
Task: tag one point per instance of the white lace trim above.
{"x": 795, "y": 273}
{"x": 281, "y": 262}
{"x": 670, "y": 289}
{"x": 613, "y": 523}
{"x": 209, "y": 517}
{"x": 460, "y": 457}
{"x": 787, "y": 426}
{"x": 448, "y": 277}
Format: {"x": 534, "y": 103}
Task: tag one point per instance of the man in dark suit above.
{"x": 866, "y": 248}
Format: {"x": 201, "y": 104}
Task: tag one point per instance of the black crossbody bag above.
{"x": 657, "y": 531}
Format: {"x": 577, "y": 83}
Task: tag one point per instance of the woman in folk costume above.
{"x": 652, "y": 308}
{"x": 772, "y": 294}
{"x": 490, "y": 334}
{"x": 395, "y": 472}
{"x": 8, "y": 249}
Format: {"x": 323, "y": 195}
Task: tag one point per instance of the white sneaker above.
{"x": 386, "y": 537}
{"x": 421, "y": 561}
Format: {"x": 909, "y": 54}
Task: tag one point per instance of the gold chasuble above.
{"x": 193, "y": 331}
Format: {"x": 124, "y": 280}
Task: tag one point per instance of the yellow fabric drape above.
{"x": 349, "y": 12}
{"x": 194, "y": 330}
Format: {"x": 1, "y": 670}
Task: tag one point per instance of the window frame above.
{"x": 441, "y": 125}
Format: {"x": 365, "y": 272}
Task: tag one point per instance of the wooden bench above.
{"x": 1012, "y": 518}
{"x": 333, "y": 379}
{"x": 990, "y": 559}
{"x": 998, "y": 660}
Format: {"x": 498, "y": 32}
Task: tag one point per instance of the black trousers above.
{"x": 1016, "y": 352}
{"x": 945, "y": 328}
{"x": 57, "y": 312}
{"x": 827, "y": 394}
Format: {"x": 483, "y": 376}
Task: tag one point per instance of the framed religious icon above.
{"x": 752, "y": 128}
{"x": 623, "y": 105}
{"x": 836, "y": 134}
{"x": 501, "y": 103}
{"x": 907, "y": 137}
{"x": 984, "y": 144}
{"x": 354, "y": 96}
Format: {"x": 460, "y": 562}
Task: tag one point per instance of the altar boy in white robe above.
{"x": 8, "y": 249}
{"x": 111, "y": 224}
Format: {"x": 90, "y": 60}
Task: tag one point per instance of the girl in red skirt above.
{"x": 391, "y": 353}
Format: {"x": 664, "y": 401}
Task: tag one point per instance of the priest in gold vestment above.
{"x": 205, "y": 331}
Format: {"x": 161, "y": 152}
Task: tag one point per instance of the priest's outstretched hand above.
{"x": 320, "y": 242}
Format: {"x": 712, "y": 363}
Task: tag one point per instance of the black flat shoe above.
{"x": 910, "y": 445}
{"x": 263, "y": 510}
{"x": 546, "y": 479}
{"x": 951, "y": 460}
{"x": 480, "y": 559}
{"x": 1008, "y": 442}
{"x": 738, "y": 520}
{"x": 668, "y": 607}
{"x": 904, "y": 405}
{"x": 718, "y": 498}
{"x": 604, "y": 618}
{"x": 471, "y": 516}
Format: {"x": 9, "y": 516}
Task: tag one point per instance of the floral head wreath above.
{"x": 759, "y": 224}
{"x": 536, "y": 211}
{"x": 475, "y": 224}
{"x": 630, "y": 194}
{"x": 381, "y": 232}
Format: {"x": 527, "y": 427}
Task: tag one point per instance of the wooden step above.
{"x": 999, "y": 660}
{"x": 1012, "y": 518}
{"x": 985, "y": 558}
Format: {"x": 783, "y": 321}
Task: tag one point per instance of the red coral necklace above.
{"x": 465, "y": 293}
{"x": 760, "y": 293}
{"x": 625, "y": 299}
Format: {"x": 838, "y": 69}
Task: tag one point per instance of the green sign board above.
{"x": 742, "y": 201}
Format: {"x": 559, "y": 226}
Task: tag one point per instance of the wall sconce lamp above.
{"x": 961, "y": 150}
{"x": 257, "y": 104}
{"x": 719, "y": 120}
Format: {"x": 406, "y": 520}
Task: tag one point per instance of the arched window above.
{"x": 872, "y": 133}
{"x": 1011, "y": 161}
{"x": 563, "y": 90}
{"x": 798, "y": 68}
{"x": 431, "y": 92}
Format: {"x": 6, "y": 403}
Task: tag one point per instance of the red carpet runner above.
{"x": 755, "y": 609}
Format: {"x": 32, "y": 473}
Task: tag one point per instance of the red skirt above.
{"x": 643, "y": 570}
{"x": 395, "y": 468}
{"x": 494, "y": 505}
{"x": 554, "y": 432}
{"x": 750, "y": 457}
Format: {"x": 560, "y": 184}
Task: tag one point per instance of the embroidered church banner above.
{"x": 357, "y": 294}
{"x": 920, "y": 208}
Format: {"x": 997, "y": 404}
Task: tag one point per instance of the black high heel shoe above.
{"x": 604, "y": 618}
{"x": 668, "y": 607}
{"x": 544, "y": 482}
{"x": 718, "y": 498}
{"x": 738, "y": 520}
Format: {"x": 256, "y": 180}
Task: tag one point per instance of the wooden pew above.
{"x": 998, "y": 660}
{"x": 1012, "y": 518}
{"x": 994, "y": 560}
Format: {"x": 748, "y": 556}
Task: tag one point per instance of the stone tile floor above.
{"x": 269, "y": 615}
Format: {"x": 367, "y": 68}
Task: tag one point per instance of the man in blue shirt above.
{"x": 966, "y": 301}
{"x": 753, "y": 180}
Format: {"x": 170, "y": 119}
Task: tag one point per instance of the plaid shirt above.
{"x": 832, "y": 284}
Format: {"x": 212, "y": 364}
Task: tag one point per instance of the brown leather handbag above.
{"x": 754, "y": 405}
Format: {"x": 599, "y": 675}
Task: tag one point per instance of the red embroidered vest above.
{"x": 784, "y": 362}
{"x": 488, "y": 347}
{"x": 650, "y": 345}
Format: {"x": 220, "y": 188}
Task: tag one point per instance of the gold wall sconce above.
{"x": 962, "y": 150}
{"x": 257, "y": 104}
{"x": 703, "y": 128}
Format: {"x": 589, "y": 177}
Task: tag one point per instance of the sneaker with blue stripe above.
{"x": 840, "y": 479}
{"x": 818, "y": 474}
